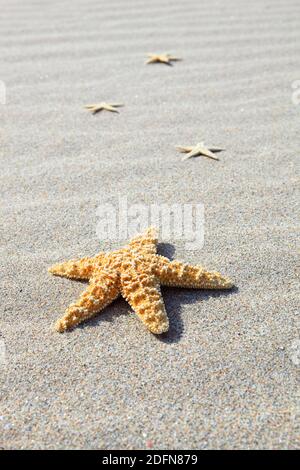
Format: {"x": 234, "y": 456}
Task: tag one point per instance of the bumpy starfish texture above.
{"x": 135, "y": 272}
{"x": 161, "y": 58}
{"x": 199, "y": 150}
{"x": 95, "y": 108}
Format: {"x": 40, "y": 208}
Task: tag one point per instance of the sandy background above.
{"x": 225, "y": 377}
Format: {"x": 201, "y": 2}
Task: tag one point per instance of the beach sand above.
{"x": 225, "y": 375}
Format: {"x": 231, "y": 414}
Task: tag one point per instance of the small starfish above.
{"x": 135, "y": 272}
{"x": 162, "y": 58}
{"x": 95, "y": 108}
{"x": 199, "y": 149}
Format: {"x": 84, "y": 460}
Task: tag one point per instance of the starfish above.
{"x": 135, "y": 272}
{"x": 199, "y": 149}
{"x": 95, "y": 108}
{"x": 162, "y": 58}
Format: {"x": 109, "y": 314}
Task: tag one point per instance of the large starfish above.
{"x": 161, "y": 58}
{"x": 199, "y": 149}
{"x": 95, "y": 108}
{"x": 135, "y": 272}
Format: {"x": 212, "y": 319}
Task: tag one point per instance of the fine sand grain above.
{"x": 225, "y": 376}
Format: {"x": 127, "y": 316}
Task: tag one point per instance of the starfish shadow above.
{"x": 116, "y": 309}
{"x": 166, "y": 249}
{"x": 169, "y": 64}
{"x": 174, "y": 298}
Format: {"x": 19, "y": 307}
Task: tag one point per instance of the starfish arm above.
{"x": 146, "y": 242}
{"x": 206, "y": 152}
{"x": 111, "y": 108}
{"x": 74, "y": 268}
{"x": 142, "y": 292}
{"x": 193, "y": 153}
{"x": 102, "y": 290}
{"x": 175, "y": 273}
{"x": 184, "y": 149}
{"x": 95, "y": 109}
{"x": 151, "y": 60}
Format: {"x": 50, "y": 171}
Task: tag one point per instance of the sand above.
{"x": 225, "y": 376}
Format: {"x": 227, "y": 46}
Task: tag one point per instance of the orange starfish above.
{"x": 135, "y": 272}
{"x": 161, "y": 58}
{"x": 96, "y": 108}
